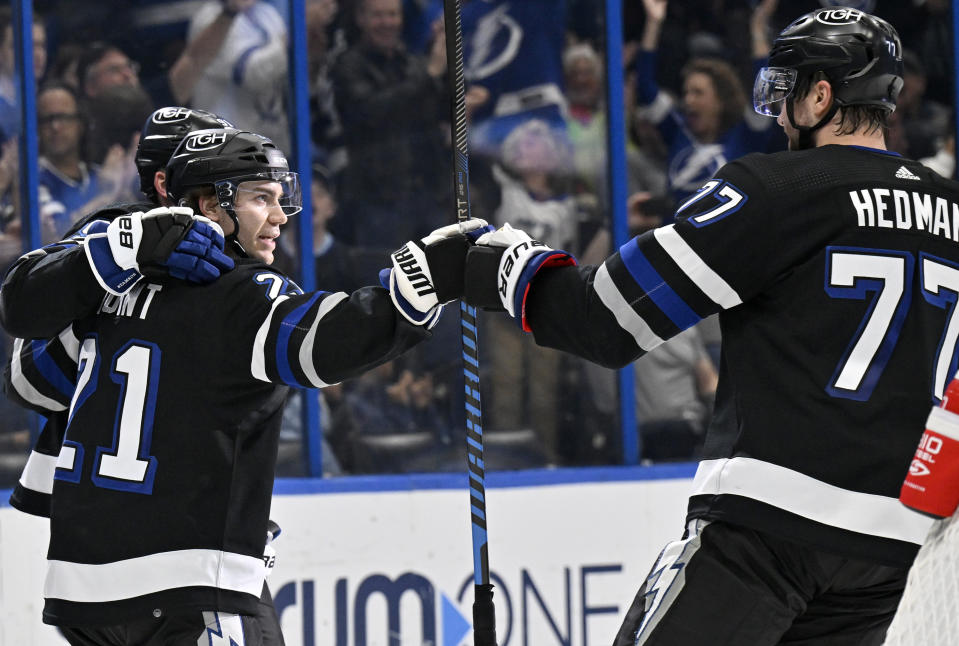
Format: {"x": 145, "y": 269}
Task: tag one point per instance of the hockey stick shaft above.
{"x": 484, "y": 620}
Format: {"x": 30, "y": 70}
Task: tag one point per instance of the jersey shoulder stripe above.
{"x": 638, "y": 297}
{"x": 624, "y": 314}
{"x": 707, "y": 280}
{"x": 27, "y": 385}
{"x": 43, "y": 373}
{"x": 287, "y": 326}
{"x": 48, "y": 369}
{"x": 656, "y": 287}
{"x": 305, "y": 351}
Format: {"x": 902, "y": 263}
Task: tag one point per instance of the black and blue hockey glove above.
{"x": 166, "y": 241}
{"x": 428, "y": 273}
{"x": 500, "y": 267}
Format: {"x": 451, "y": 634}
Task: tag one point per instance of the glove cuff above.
{"x": 125, "y": 234}
{"x": 112, "y": 277}
{"x": 426, "y": 319}
{"x": 551, "y": 258}
{"x": 517, "y": 266}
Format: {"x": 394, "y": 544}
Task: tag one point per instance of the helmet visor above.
{"x": 772, "y": 86}
{"x": 262, "y": 185}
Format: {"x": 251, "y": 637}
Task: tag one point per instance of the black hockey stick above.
{"x": 484, "y": 620}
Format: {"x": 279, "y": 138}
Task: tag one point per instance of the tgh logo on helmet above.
{"x": 205, "y": 141}
{"x": 839, "y": 16}
{"x": 170, "y": 115}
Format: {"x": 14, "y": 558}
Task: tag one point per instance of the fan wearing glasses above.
{"x": 69, "y": 186}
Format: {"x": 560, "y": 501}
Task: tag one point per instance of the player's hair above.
{"x": 851, "y": 117}
{"x": 193, "y": 196}
{"x": 729, "y": 89}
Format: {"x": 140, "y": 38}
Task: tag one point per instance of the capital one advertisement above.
{"x": 388, "y": 561}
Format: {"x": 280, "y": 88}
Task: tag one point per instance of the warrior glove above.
{"x": 932, "y": 484}
{"x": 428, "y": 273}
{"x": 166, "y": 241}
{"x": 500, "y": 267}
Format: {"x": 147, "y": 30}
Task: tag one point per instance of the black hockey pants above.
{"x": 726, "y": 585}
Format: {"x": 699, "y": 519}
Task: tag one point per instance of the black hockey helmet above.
{"x": 162, "y": 133}
{"x": 223, "y": 159}
{"x": 859, "y": 53}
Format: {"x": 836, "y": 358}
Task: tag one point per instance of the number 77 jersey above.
{"x": 835, "y": 272}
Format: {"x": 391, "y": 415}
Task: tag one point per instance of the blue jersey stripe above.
{"x": 50, "y": 371}
{"x": 665, "y": 297}
{"x": 286, "y": 327}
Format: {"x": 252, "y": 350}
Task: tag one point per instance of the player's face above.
{"x": 807, "y": 112}
{"x": 257, "y": 207}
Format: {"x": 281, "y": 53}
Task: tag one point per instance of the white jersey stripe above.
{"x": 802, "y": 495}
{"x": 38, "y": 472}
{"x": 625, "y": 315}
{"x": 698, "y": 271}
{"x": 23, "y": 387}
{"x": 258, "y": 362}
{"x": 306, "y": 349}
{"x": 98, "y": 583}
{"x": 70, "y": 343}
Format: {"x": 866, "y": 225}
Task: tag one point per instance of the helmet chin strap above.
{"x": 231, "y": 239}
{"x": 806, "y": 132}
{"x": 225, "y": 192}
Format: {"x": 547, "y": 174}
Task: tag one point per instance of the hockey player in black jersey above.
{"x": 162, "y": 132}
{"x": 42, "y": 373}
{"x": 163, "y": 488}
{"x": 834, "y": 268}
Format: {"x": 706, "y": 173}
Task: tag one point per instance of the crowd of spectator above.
{"x": 379, "y": 139}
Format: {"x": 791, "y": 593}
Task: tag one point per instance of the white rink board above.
{"x": 568, "y": 550}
